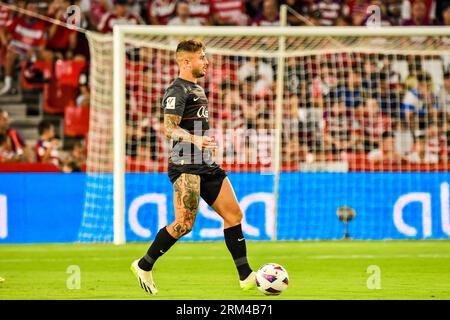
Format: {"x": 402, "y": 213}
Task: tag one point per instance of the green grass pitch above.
{"x": 317, "y": 270}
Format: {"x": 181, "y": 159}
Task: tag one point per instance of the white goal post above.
{"x": 285, "y": 48}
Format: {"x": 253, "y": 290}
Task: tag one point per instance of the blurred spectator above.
{"x": 265, "y": 139}
{"x": 46, "y": 148}
{"x": 201, "y": 10}
{"x": 84, "y": 96}
{"x": 310, "y": 127}
{"x": 182, "y": 15}
{"x": 224, "y": 137}
{"x": 392, "y": 76}
{"x": 293, "y": 76}
{"x": 343, "y": 21}
{"x": 445, "y": 141}
{"x": 7, "y": 154}
{"x": 446, "y": 16}
{"x": 303, "y": 7}
{"x": 291, "y": 118}
{"x": 229, "y": 13}
{"x": 269, "y": 15}
{"x": 145, "y": 153}
{"x": 70, "y": 167}
{"x": 387, "y": 97}
{"x": 252, "y": 100}
{"x": 78, "y": 153}
{"x": 340, "y": 130}
{"x": 386, "y": 151}
{"x": 160, "y": 11}
{"x": 5, "y": 16}
{"x": 420, "y": 106}
{"x": 253, "y": 8}
{"x": 445, "y": 95}
{"x": 435, "y": 140}
{"x": 137, "y": 7}
{"x": 234, "y": 106}
{"x": 76, "y": 159}
{"x": 418, "y": 12}
{"x": 139, "y": 135}
{"x": 120, "y": 14}
{"x": 315, "y": 18}
{"x": 94, "y": 10}
{"x": 351, "y": 92}
{"x": 16, "y": 142}
{"x": 373, "y": 123}
{"x": 263, "y": 71}
{"x": 394, "y": 11}
{"x": 420, "y": 153}
{"x": 329, "y": 10}
{"x": 370, "y": 74}
{"x": 61, "y": 40}
{"x": 27, "y": 37}
{"x": 324, "y": 85}
{"x": 418, "y": 16}
{"x": 356, "y": 10}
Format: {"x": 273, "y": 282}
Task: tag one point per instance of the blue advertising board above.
{"x": 50, "y": 207}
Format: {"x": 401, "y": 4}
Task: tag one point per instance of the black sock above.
{"x": 163, "y": 241}
{"x": 235, "y": 241}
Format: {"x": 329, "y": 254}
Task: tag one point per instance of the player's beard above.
{"x": 198, "y": 73}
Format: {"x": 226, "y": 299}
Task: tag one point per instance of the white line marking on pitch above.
{"x": 373, "y": 256}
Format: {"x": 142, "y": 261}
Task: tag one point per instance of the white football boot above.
{"x": 145, "y": 278}
{"x": 249, "y": 282}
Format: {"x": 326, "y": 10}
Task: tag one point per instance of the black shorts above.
{"x": 211, "y": 178}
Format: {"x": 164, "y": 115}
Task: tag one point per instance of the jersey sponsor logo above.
{"x": 202, "y": 112}
{"x": 170, "y": 102}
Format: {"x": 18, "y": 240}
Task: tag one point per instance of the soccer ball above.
{"x": 272, "y": 279}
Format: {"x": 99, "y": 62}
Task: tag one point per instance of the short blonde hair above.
{"x": 190, "y": 46}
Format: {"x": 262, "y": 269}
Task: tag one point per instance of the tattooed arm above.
{"x": 173, "y": 131}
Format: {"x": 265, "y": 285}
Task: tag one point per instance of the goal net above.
{"x": 310, "y": 122}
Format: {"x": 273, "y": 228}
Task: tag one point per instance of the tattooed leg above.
{"x": 185, "y": 200}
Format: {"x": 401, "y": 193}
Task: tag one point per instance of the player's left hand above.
{"x": 209, "y": 143}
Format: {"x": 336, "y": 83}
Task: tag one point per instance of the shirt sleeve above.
{"x": 174, "y": 101}
{"x": 409, "y": 102}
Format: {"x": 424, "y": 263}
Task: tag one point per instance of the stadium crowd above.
{"x": 334, "y": 113}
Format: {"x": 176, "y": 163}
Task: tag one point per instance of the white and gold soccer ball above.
{"x": 272, "y": 279}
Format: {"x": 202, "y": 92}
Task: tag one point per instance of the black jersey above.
{"x": 188, "y": 100}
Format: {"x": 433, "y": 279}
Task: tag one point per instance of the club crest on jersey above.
{"x": 170, "y": 103}
{"x": 202, "y": 112}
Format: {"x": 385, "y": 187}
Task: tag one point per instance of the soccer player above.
{"x": 192, "y": 170}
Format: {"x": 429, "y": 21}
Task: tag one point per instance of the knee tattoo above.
{"x": 182, "y": 229}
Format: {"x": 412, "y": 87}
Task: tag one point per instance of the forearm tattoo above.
{"x": 187, "y": 190}
{"x": 173, "y": 131}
